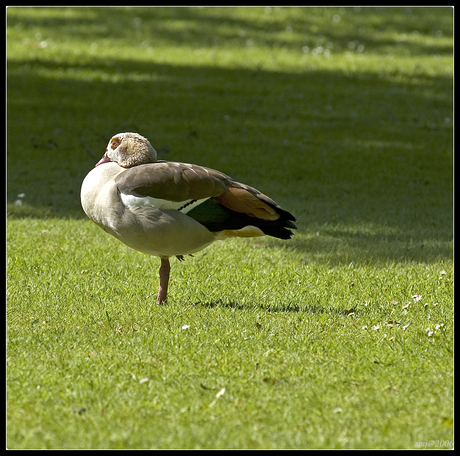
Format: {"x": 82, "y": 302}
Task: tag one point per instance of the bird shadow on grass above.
{"x": 279, "y": 308}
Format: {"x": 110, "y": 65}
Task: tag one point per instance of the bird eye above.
{"x": 116, "y": 141}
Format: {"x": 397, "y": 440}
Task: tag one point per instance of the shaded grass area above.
{"x": 344, "y": 117}
{"x": 384, "y": 162}
{"x": 340, "y": 165}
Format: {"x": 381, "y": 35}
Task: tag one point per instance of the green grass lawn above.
{"x": 339, "y": 338}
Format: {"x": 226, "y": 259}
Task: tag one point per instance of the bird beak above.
{"x": 104, "y": 159}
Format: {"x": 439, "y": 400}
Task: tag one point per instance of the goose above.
{"x": 165, "y": 208}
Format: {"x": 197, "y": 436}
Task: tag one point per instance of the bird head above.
{"x": 128, "y": 150}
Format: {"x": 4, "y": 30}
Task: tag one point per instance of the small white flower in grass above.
{"x": 416, "y": 297}
{"x": 143, "y": 380}
{"x": 220, "y": 392}
{"x": 185, "y": 326}
{"x": 364, "y": 327}
{"x": 406, "y": 306}
{"x": 375, "y": 327}
{"x": 442, "y": 272}
{"x": 432, "y": 332}
{"x": 18, "y": 202}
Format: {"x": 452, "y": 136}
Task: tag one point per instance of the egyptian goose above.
{"x": 169, "y": 209}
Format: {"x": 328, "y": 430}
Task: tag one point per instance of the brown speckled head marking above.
{"x": 115, "y": 142}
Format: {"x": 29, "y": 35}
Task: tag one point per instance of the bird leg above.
{"x": 165, "y": 268}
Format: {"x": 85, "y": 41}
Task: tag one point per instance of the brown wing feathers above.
{"x": 172, "y": 181}
{"x": 241, "y": 205}
{"x": 244, "y": 201}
